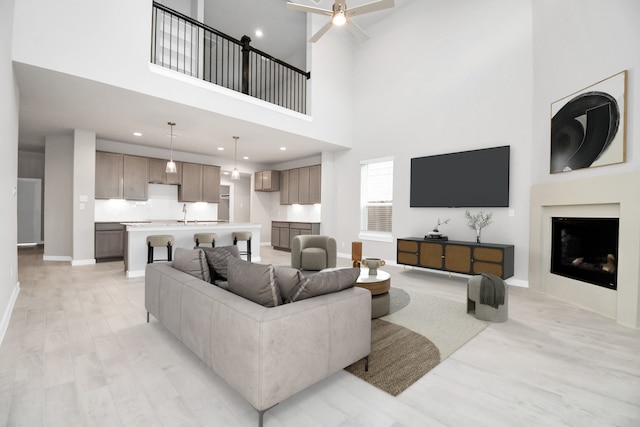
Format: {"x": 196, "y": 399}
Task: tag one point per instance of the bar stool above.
{"x": 159, "y": 241}
{"x": 205, "y": 238}
{"x": 243, "y": 236}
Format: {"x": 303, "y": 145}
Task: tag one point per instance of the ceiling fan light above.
{"x": 171, "y": 167}
{"x": 339, "y": 18}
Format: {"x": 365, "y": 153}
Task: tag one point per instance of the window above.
{"x": 376, "y": 199}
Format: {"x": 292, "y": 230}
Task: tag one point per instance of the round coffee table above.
{"x": 379, "y": 286}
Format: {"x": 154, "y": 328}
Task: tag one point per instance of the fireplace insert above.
{"x": 585, "y": 249}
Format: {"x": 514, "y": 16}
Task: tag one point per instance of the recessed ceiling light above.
{"x": 259, "y": 33}
{"x": 137, "y": 134}
{"x": 220, "y": 148}
{"x": 225, "y": 173}
{"x": 283, "y": 148}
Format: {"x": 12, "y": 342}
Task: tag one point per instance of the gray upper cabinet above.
{"x": 210, "y": 184}
{"x": 200, "y": 183}
{"x": 293, "y": 186}
{"x": 157, "y": 174}
{"x": 303, "y": 186}
{"x": 136, "y": 176}
{"x": 191, "y": 188}
{"x": 267, "y": 181}
{"x": 315, "y": 187}
{"x": 284, "y": 189}
{"x": 109, "y": 175}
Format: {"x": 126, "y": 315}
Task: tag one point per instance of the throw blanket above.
{"x": 491, "y": 290}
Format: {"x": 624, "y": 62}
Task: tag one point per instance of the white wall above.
{"x": 83, "y": 195}
{"x": 9, "y": 108}
{"x": 58, "y": 198}
{"x": 576, "y": 44}
{"x": 438, "y": 77}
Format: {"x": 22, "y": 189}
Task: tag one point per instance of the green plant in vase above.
{"x": 478, "y": 221}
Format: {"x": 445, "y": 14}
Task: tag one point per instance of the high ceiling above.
{"x": 53, "y": 103}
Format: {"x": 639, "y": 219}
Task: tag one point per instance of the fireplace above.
{"x": 585, "y": 249}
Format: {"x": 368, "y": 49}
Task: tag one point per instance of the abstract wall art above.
{"x": 588, "y": 127}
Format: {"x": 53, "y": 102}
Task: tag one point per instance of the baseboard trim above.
{"x": 83, "y": 262}
{"x": 56, "y": 258}
{"x": 6, "y": 316}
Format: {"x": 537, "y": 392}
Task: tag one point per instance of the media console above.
{"x": 458, "y": 257}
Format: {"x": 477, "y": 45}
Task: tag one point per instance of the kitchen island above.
{"x": 135, "y": 256}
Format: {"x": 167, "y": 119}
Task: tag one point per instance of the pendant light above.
{"x": 235, "y": 174}
{"x": 171, "y": 165}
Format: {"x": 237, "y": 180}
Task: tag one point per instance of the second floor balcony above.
{"x": 187, "y": 46}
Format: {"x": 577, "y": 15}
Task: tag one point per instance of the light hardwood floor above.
{"x": 78, "y": 351}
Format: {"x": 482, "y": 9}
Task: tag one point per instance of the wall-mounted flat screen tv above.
{"x": 472, "y": 179}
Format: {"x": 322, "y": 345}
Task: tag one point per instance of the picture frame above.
{"x": 588, "y": 127}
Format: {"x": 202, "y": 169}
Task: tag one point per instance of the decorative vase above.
{"x": 373, "y": 264}
{"x": 478, "y": 230}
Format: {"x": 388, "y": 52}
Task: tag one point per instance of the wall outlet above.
{"x": 512, "y": 212}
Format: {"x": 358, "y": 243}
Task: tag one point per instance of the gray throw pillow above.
{"x": 218, "y": 259}
{"x": 192, "y": 262}
{"x": 287, "y": 278}
{"x": 255, "y": 282}
{"x": 324, "y": 282}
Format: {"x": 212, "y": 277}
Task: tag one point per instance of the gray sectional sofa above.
{"x": 265, "y": 354}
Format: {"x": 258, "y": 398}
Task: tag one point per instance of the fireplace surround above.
{"x": 606, "y": 196}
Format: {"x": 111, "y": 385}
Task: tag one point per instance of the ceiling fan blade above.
{"x": 370, "y": 7}
{"x": 310, "y": 9}
{"x": 321, "y": 32}
{"x": 356, "y": 30}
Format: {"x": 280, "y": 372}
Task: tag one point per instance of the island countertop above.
{"x": 135, "y": 259}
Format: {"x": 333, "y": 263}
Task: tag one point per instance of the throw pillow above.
{"x": 255, "y": 282}
{"x": 192, "y": 262}
{"x": 324, "y": 282}
{"x": 287, "y": 278}
{"x": 218, "y": 259}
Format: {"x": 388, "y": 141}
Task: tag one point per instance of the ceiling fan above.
{"x": 340, "y": 15}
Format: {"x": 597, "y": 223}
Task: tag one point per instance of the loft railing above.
{"x": 190, "y": 47}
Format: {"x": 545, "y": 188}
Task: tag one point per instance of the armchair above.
{"x": 313, "y": 252}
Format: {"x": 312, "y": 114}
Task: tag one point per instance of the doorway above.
{"x": 29, "y": 211}
{"x": 223, "y": 206}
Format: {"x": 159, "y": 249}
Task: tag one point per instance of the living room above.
{"x": 453, "y": 77}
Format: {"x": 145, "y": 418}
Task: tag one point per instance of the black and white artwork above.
{"x": 588, "y": 127}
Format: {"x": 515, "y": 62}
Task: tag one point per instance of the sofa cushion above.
{"x": 193, "y": 262}
{"x": 287, "y": 278}
{"x": 218, "y": 259}
{"x": 255, "y": 282}
{"x": 324, "y": 282}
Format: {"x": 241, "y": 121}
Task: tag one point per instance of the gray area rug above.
{"x": 398, "y": 299}
{"x": 445, "y": 322}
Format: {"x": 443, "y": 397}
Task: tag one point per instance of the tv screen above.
{"x": 473, "y": 179}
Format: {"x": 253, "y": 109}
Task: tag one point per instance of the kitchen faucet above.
{"x": 184, "y": 209}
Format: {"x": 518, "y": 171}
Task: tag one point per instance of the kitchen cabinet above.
{"x": 109, "y": 175}
{"x": 293, "y": 186}
{"x": 191, "y": 188}
{"x": 267, "y": 181}
{"x": 315, "y": 186}
{"x": 284, "y": 189}
{"x": 135, "y": 177}
{"x": 301, "y": 186}
{"x": 210, "y": 184}
{"x": 200, "y": 183}
{"x": 459, "y": 257}
{"x": 157, "y": 174}
{"x": 283, "y": 232}
{"x": 109, "y": 241}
